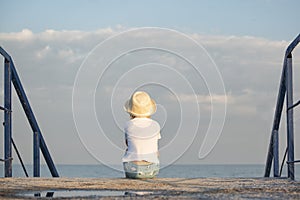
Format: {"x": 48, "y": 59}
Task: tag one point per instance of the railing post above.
{"x": 275, "y": 153}
{"x": 36, "y": 154}
{"x": 32, "y": 120}
{"x": 290, "y": 117}
{"x": 11, "y": 77}
{"x": 277, "y": 119}
{"x": 7, "y": 119}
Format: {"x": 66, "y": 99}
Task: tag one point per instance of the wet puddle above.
{"x": 84, "y": 193}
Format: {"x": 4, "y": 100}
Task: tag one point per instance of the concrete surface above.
{"x": 158, "y": 188}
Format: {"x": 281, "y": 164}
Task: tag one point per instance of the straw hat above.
{"x": 140, "y": 105}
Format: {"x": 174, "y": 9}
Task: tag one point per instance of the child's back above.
{"x": 141, "y": 137}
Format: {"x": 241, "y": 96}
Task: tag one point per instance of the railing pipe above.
{"x": 290, "y": 117}
{"x": 32, "y": 120}
{"x": 14, "y": 78}
{"x": 276, "y": 121}
{"x": 7, "y": 119}
{"x": 276, "y": 153}
{"x": 36, "y": 154}
{"x": 284, "y": 83}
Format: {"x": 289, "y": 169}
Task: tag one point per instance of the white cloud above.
{"x": 24, "y": 35}
{"x": 42, "y": 53}
{"x": 203, "y": 99}
{"x": 47, "y": 63}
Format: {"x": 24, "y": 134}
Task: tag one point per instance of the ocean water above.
{"x": 172, "y": 171}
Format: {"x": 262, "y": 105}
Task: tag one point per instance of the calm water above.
{"x": 180, "y": 171}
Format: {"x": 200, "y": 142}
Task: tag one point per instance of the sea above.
{"x": 172, "y": 171}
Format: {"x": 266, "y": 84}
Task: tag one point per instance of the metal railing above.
{"x": 285, "y": 90}
{"x": 11, "y": 77}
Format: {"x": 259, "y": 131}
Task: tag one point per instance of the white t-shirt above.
{"x": 142, "y": 136}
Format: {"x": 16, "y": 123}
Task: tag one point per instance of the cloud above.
{"x": 41, "y": 54}
{"x": 48, "y": 61}
{"x": 24, "y": 35}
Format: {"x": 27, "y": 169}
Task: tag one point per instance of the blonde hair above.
{"x": 133, "y": 116}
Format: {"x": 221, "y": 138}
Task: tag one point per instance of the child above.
{"x": 141, "y": 137}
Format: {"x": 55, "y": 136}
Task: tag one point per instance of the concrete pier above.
{"x": 158, "y": 188}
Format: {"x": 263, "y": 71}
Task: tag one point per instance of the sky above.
{"x": 261, "y": 18}
{"x": 213, "y": 68}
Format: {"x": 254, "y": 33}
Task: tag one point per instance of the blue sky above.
{"x": 262, "y": 18}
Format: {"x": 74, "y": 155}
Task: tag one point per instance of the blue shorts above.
{"x": 133, "y": 170}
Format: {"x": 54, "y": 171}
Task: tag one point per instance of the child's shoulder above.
{"x": 155, "y": 122}
{"x": 142, "y": 122}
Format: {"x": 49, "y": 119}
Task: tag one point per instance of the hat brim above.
{"x": 151, "y": 111}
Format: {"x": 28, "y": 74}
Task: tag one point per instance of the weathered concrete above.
{"x": 162, "y": 188}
